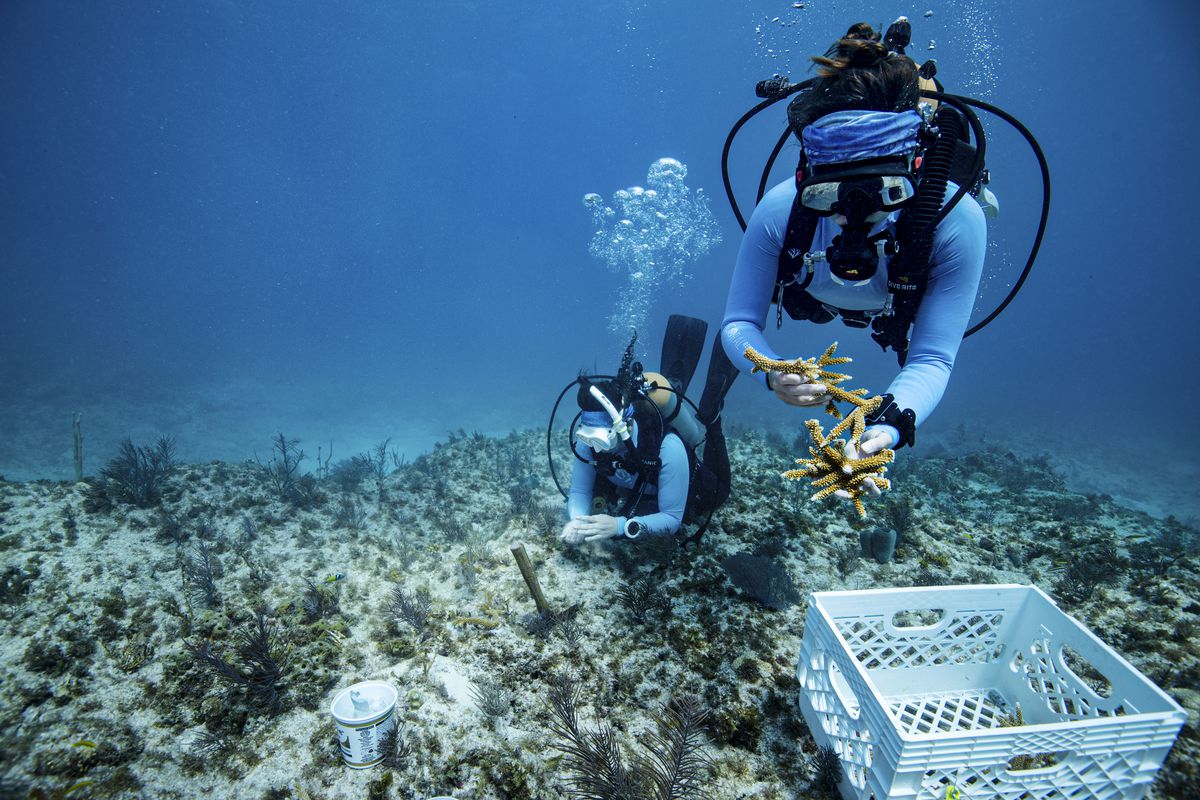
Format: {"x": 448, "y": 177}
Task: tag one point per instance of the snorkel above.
{"x": 618, "y": 422}
{"x": 618, "y": 430}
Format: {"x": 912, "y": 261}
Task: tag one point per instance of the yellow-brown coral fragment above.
{"x": 831, "y": 470}
{"x": 856, "y": 420}
{"x": 813, "y": 370}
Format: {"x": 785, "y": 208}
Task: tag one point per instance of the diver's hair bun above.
{"x": 850, "y": 53}
{"x": 857, "y": 72}
{"x": 862, "y": 30}
{"x": 589, "y": 403}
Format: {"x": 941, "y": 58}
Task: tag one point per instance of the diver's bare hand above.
{"x": 871, "y": 442}
{"x": 571, "y": 533}
{"x": 598, "y": 526}
{"x": 796, "y": 390}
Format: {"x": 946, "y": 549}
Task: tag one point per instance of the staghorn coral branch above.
{"x": 829, "y": 478}
{"x": 813, "y": 370}
{"x": 828, "y": 467}
{"x": 831, "y": 470}
{"x": 856, "y": 420}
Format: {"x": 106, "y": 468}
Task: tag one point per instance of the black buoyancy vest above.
{"x": 906, "y": 275}
{"x": 646, "y": 462}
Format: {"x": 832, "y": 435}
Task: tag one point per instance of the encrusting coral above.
{"x": 829, "y": 468}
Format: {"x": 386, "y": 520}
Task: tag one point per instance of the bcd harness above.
{"x": 643, "y": 464}
{"x": 946, "y": 155}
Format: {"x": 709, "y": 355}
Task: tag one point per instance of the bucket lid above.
{"x": 363, "y": 702}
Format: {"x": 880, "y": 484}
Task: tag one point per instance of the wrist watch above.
{"x": 632, "y": 529}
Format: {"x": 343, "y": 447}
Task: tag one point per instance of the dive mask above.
{"x": 863, "y": 193}
{"x": 858, "y": 189}
{"x": 883, "y": 193}
{"x": 597, "y": 432}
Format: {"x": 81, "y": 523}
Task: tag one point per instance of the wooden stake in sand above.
{"x": 526, "y": 567}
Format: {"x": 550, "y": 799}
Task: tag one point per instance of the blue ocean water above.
{"x": 348, "y": 222}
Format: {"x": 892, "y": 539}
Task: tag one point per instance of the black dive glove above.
{"x": 903, "y": 420}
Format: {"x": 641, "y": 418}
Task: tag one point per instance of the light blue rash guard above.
{"x": 955, "y": 266}
{"x": 671, "y": 489}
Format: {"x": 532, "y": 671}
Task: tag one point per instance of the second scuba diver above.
{"x": 636, "y": 468}
{"x": 830, "y": 242}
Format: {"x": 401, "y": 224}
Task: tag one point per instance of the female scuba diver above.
{"x": 639, "y": 434}
{"x": 831, "y": 242}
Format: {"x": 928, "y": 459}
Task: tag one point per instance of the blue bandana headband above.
{"x": 858, "y": 135}
{"x": 595, "y": 419}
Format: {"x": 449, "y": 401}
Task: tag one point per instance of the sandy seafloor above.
{"x": 101, "y": 697}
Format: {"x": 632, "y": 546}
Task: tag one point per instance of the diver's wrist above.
{"x": 888, "y": 430}
{"x": 631, "y": 529}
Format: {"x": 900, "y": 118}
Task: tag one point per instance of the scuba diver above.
{"x": 875, "y": 227}
{"x": 636, "y": 444}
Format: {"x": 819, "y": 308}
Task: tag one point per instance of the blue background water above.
{"x": 222, "y": 220}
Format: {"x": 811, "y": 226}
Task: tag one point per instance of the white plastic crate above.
{"x": 911, "y": 685}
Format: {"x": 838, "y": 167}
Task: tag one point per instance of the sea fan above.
{"x": 136, "y": 476}
{"x": 828, "y": 768}
{"x": 261, "y": 672}
{"x": 676, "y": 765}
{"x": 673, "y": 766}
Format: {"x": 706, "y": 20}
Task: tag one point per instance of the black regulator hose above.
{"x": 550, "y": 427}
{"x": 976, "y": 166}
{"x": 771, "y": 100}
{"x": 766, "y": 175}
{"x": 916, "y": 224}
{"x": 1045, "y": 215}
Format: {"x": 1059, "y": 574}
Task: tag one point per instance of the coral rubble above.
{"x": 102, "y": 621}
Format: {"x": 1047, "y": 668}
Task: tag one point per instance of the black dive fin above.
{"x": 682, "y": 345}
{"x": 721, "y": 373}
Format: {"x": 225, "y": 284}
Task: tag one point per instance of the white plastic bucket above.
{"x": 364, "y": 713}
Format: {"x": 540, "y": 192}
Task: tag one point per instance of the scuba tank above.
{"x": 679, "y": 415}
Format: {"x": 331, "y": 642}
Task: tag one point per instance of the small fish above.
{"x": 85, "y": 743}
{"x": 928, "y": 14}
{"x": 933, "y": 44}
{"x": 797, "y": 5}
{"x": 334, "y": 577}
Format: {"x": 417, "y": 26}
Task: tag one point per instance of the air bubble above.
{"x": 651, "y": 236}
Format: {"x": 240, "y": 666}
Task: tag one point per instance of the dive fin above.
{"x": 682, "y": 345}
{"x": 721, "y": 373}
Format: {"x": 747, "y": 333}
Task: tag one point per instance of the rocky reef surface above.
{"x": 184, "y": 639}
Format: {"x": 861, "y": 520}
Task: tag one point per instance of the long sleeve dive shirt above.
{"x": 956, "y": 263}
{"x": 671, "y": 489}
